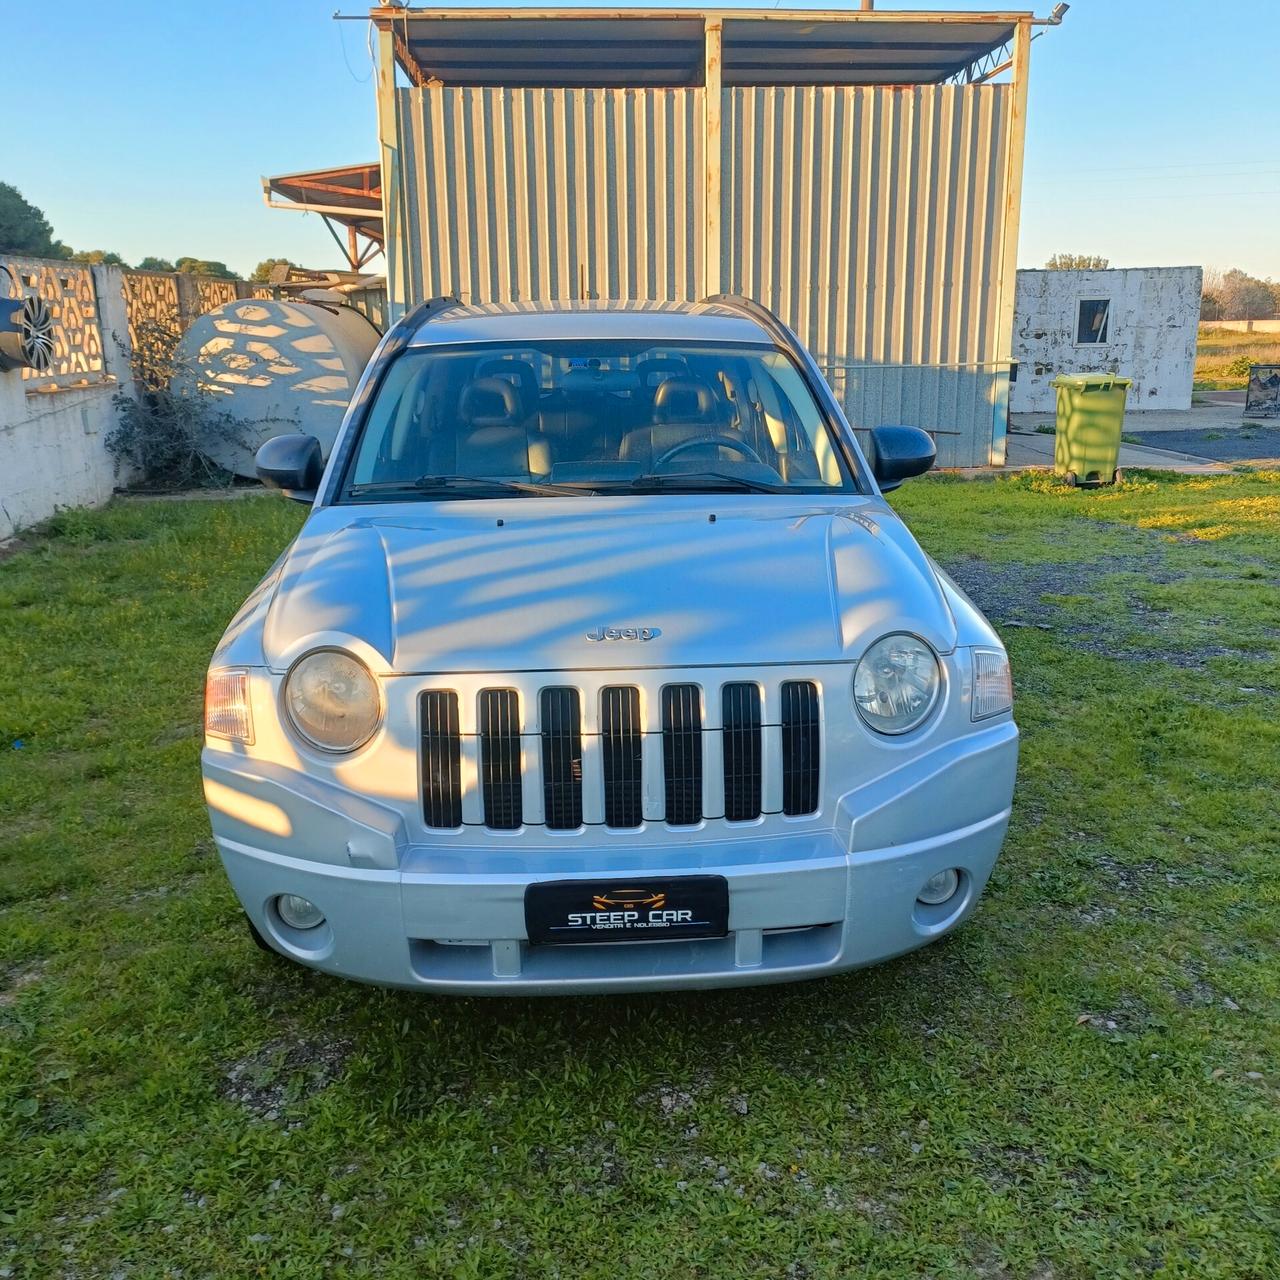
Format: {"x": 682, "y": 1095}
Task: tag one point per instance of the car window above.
{"x": 594, "y": 415}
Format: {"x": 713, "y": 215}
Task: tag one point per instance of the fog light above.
{"x": 940, "y": 888}
{"x": 299, "y": 913}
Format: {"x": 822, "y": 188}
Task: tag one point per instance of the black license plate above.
{"x": 641, "y": 910}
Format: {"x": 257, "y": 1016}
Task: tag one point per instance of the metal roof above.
{"x": 348, "y": 195}
{"x": 519, "y": 322}
{"x": 577, "y": 48}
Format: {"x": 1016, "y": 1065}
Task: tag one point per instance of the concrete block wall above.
{"x": 52, "y": 442}
{"x": 1151, "y": 333}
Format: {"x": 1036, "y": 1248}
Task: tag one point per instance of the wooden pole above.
{"x": 393, "y": 230}
{"x": 1015, "y": 142}
{"x": 713, "y": 48}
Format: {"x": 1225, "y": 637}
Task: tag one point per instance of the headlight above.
{"x": 227, "y": 711}
{"x": 992, "y": 683}
{"x": 896, "y": 684}
{"x": 332, "y": 700}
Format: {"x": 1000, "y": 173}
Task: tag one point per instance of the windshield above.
{"x": 592, "y": 416}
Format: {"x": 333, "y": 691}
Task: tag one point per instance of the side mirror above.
{"x": 898, "y": 453}
{"x": 291, "y": 464}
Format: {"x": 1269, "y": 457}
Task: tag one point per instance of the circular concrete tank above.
{"x": 273, "y": 367}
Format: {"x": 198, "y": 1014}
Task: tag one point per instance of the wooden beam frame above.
{"x": 390, "y": 14}
{"x": 412, "y": 67}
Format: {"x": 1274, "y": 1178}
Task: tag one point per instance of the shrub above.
{"x": 160, "y": 434}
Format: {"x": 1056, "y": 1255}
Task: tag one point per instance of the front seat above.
{"x": 683, "y": 409}
{"x": 492, "y": 438}
{"x": 521, "y": 375}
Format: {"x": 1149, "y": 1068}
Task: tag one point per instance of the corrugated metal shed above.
{"x": 858, "y": 172}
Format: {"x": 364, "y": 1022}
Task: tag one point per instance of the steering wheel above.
{"x": 698, "y": 442}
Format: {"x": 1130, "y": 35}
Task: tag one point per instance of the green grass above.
{"x": 1082, "y": 1082}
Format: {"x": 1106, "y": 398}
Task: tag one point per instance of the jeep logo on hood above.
{"x": 624, "y": 633}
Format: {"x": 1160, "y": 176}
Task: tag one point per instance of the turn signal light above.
{"x": 992, "y": 683}
{"x": 227, "y": 713}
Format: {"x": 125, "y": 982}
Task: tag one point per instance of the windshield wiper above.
{"x": 456, "y": 483}
{"x": 694, "y": 481}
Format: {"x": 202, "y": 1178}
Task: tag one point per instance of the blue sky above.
{"x": 1151, "y": 135}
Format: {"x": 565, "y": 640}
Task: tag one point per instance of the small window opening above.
{"x": 1093, "y": 319}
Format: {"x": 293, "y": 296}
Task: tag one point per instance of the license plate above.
{"x": 642, "y": 910}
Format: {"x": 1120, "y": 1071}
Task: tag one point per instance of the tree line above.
{"x": 1235, "y": 295}
{"x": 25, "y": 230}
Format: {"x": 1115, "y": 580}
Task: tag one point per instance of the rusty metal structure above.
{"x": 347, "y": 198}
{"x": 859, "y": 172}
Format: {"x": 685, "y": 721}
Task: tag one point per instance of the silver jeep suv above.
{"x": 601, "y": 663}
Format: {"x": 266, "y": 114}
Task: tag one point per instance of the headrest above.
{"x": 685, "y": 400}
{"x": 518, "y": 372}
{"x": 490, "y": 402}
{"x": 646, "y": 369}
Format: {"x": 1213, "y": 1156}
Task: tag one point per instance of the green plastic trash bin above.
{"x": 1090, "y": 420}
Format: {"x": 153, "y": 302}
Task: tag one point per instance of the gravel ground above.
{"x": 1242, "y": 444}
{"x": 1056, "y": 596}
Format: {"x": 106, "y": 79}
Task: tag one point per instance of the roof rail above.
{"x": 818, "y": 385}
{"x": 412, "y": 321}
{"x": 765, "y": 318}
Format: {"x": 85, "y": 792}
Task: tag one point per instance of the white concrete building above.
{"x": 1138, "y": 322}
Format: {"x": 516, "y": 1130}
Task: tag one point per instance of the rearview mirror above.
{"x": 898, "y": 453}
{"x": 292, "y": 464}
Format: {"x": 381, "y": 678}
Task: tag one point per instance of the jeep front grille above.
{"x": 441, "y": 759}
{"x": 800, "y": 749}
{"x": 562, "y": 759}
{"x": 622, "y": 752}
{"x": 682, "y": 753}
{"x": 758, "y": 778}
{"x": 499, "y": 722}
{"x": 741, "y": 719}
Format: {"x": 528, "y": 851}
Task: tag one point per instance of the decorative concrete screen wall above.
{"x": 77, "y": 336}
{"x": 54, "y": 426}
{"x": 1140, "y": 322}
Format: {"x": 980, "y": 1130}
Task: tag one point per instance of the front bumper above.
{"x": 435, "y": 917}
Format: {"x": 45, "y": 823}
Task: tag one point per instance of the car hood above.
{"x": 522, "y": 585}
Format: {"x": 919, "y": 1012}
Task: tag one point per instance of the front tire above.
{"x": 258, "y": 940}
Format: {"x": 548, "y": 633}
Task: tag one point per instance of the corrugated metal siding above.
{"x": 512, "y": 194}
{"x": 871, "y": 220}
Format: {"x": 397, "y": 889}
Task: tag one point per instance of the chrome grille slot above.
{"x": 621, "y": 754}
{"x": 740, "y": 709}
{"x": 499, "y": 722}
{"x": 682, "y": 753}
{"x": 441, "y": 759}
{"x": 801, "y": 749}
{"x": 562, "y": 758}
